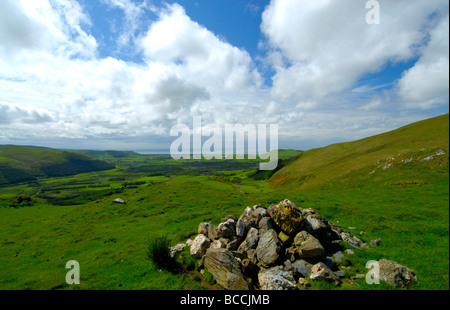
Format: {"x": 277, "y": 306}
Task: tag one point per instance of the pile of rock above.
{"x": 277, "y": 248}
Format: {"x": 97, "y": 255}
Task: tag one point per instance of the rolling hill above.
{"x": 418, "y": 142}
{"x": 25, "y": 163}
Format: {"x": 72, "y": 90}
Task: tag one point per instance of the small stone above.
{"x": 321, "y": 272}
{"x": 349, "y": 252}
{"x": 338, "y": 257}
{"x": 375, "y": 242}
{"x": 340, "y": 273}
{"x": 303, "y": 282}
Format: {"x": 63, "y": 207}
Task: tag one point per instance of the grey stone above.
{"x": 176, "y": 249}
{"x": 308, "y": 246}
{"x": 375, "y": 242}
{"x": 268, "y": 249}
{"x": 250, "y": 242}
{"x": 225, "y": 269}
{"x": 265, "y": 224}
{"x": 321, "y": 272}
{"x": 340, "y": 273}
{"x": 241, "y": 230}
{"x": 314, "y": 224}
{"x": 338, "y": 257}
{"x": 302, "y": 267}
{"x": 276, "y": 279}
{"x": 199, "y": 246}
{"x": 396, "y": 274}
{"x": 347, "y": 237}
{"x": 227, "y": 229}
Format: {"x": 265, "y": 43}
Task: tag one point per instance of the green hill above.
{"x": 417, "y": 142}
{"x": 25, "y": 163}
{"x": 107, "y": 155}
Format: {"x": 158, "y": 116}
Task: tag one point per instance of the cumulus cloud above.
{"x": 191, "y": 49}
{"x": 187, "y": 71}
{"x": 426, "y": 84}
{"x": 55, "y": 85}
{"x": 322, "y": 47}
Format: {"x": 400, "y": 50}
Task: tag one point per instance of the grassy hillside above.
{"x": 23, "y": 163}
{"x": 393, "y": 186}
{"x": 323, "y": 165}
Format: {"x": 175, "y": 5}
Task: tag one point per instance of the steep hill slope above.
{"x": 420, "y": 142}
{"x": 24, "y": 163}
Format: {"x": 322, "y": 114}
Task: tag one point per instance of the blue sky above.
{"x": 118, "y": 74}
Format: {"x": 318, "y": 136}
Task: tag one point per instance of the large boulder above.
{"x": 307, "y": 246}
{"x": 396, "y": 274}
{"x": 287, "y": 216}
{"x": 199, "y": 246}
{"x": 225, "y": 269}
{"x": 276, "y": 279}
{"x": 268, "y": 249}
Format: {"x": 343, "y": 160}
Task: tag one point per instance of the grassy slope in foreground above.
{"x": 321, "y": 166}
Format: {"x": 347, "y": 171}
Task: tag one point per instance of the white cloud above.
{"x": 88, "y": 96}
{"x": 427, "y": 83}
{"x": 54, "y": 84}
{"x": 327, "y": 45}
{"x": 196, "y": 53}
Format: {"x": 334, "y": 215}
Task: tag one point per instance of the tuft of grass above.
{"x": 158, "y": 252}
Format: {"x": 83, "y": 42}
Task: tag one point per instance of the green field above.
{"x": 393, "y": 186}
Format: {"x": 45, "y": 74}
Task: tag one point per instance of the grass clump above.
{"x": 159, "y": 253}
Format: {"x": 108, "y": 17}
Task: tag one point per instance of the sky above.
{"x": 119, "y": 74}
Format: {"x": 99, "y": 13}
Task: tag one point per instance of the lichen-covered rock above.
{"x": 276, "y": 279}
{"x": 307, "y": 246}
{"x": 395, "y": 274}
{"x": 268, "y": 249}
{"x": 287, "y": 216}
{"x": 225, "y": 269}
